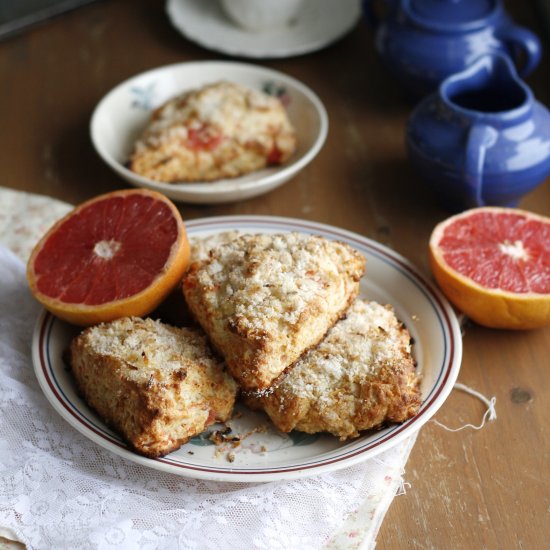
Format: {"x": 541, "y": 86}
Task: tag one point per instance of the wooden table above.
{"x": 486, "y": 489}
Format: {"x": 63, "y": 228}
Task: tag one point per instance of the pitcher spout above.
{"x": 489, "y": 89}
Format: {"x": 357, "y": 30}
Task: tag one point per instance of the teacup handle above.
{"x": 480, "y": 138}
{"x": 527, "y": 41}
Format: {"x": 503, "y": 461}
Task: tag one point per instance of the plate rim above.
{"x": 306, "y": 48}
{"x": 191, "y": 191}
{"x": 450, "y": 370}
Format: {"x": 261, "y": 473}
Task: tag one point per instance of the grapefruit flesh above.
{"x": 117, "y": 255}
{"x": 494, "y": 265}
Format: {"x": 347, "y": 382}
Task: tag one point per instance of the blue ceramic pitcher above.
{"x": 482, "y": 139}
{"x": 424, "y": 41}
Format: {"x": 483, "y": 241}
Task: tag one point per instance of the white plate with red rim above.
{"x": 271, "y": 455}
{"x": 121, "y": 116}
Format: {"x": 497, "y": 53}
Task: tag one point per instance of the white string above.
{"x": 402, "y": 489}
{"x": 490, "y": 413}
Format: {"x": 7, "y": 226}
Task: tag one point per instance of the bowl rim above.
{"x": 283, "y": 173}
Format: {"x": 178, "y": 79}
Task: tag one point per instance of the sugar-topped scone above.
{"x": 361, "y": 375}
{"x": 221, "y": 130}
{"x": 265, "y": 299}
{"x": 201, "y": 246}
{"x": 155, "y": 384}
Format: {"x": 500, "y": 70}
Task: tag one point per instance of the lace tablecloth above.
{"x": 59, "y": 490}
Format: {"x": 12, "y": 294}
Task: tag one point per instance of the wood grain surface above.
{"x": 468, "y": 489}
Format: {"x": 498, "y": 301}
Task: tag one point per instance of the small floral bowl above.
{"x": 123, "y": 113}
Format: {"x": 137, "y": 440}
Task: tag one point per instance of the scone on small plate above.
{"x": 359, "y": 377}
{"x": 222, "y": 130}
{"x": 155, "y": 384}
{"x": 265, "y": 299}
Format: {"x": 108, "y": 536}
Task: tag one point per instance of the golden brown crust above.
{"x": 221, "y": 130}
{"x": 156, "y": 385}
{"x": 265, "y": 299}
{"x": 360, "y": 376}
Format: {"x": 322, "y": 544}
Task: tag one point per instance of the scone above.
{"x": 155, "y": 384}
{"x": 360, "y": 376}
{"x": 201, "y": 246}
{"x": 221, "y": 130}
{"x": 265, "y": 299}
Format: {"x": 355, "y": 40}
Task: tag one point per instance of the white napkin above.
{"x": 60, "y": 490}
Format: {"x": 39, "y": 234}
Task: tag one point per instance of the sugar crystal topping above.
{"x": 147, "y": 344}
{"x": 369, "y": 338}
{"x": 240, "y": 112}
{"x": 265, "y": 280}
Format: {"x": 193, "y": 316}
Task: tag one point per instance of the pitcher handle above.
{"x": 480, "y": 138}
{"x": 527, "y": 41}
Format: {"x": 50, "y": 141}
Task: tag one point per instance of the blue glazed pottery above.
{"x": 424, "y": 41}
{"x": 482, "y": 138}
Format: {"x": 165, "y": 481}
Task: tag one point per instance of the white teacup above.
{"x": 258, "y": 15}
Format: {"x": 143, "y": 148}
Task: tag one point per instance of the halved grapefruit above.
{"x": 116, "y": 255}
{"x": 494, "y": 265}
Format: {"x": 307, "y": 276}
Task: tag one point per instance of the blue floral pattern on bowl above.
{"x": 277, "y": 90}
{"x": 143, "y": 96}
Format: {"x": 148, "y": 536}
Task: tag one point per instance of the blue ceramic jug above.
{"x": 424, "y": 41}
{"x": 482, "y": 139}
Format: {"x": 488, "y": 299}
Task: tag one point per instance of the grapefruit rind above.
{"x": 139, "y": 304}
{"x": 493, "y": 308}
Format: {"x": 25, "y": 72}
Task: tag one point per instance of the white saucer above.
{"x": 319, "y": 23}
